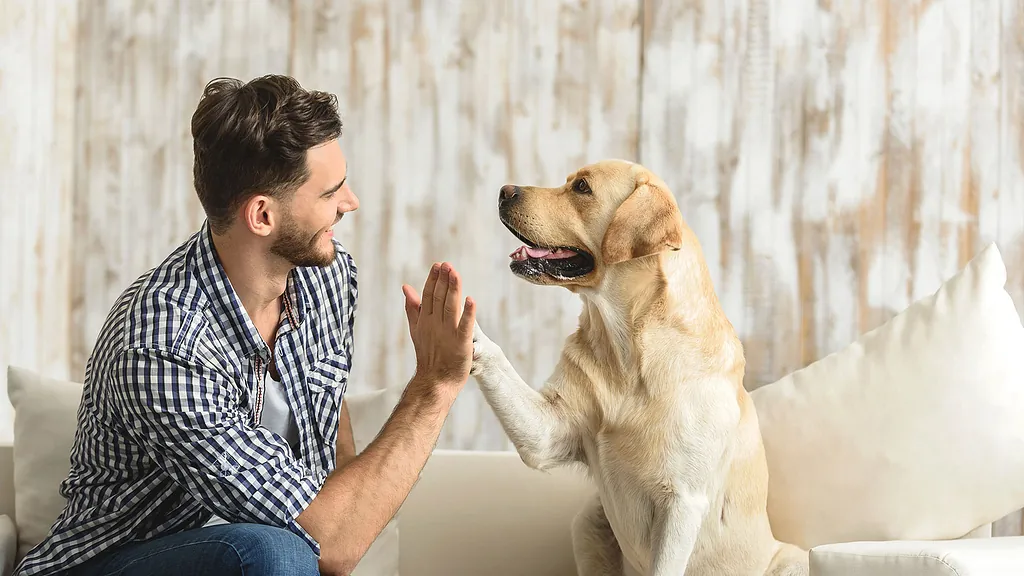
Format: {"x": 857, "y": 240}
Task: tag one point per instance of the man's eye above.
{"x": 581, "y": 186}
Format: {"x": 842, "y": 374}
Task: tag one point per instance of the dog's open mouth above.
{"x": 559, "y": 262}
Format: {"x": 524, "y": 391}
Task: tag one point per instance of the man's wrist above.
{"x": 439, "y": 391}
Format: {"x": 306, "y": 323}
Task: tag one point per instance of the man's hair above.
{"x": 251, "y": 138}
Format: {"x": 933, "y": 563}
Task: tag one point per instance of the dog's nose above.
{"x": 508, "y": 192}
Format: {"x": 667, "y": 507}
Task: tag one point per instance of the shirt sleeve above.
{"x": 184, "y": 414}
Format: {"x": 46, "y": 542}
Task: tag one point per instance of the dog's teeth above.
{"x": 519, "y": 254}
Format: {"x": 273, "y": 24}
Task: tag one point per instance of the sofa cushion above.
{"x": 44, "y": 428}
{"x": 487, "y": 513}
{"x": 974, "y": 557}
{"x": 45, "y": 412}
{"x": 912, "y": 432}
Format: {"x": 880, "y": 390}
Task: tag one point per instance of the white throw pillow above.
{"x": 913, "y": 432}
{"x": 46, "y": 413}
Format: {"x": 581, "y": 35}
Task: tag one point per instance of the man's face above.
{"x": 305, "y": 233}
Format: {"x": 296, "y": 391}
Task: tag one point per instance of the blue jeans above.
{"x": 219, "y": 550}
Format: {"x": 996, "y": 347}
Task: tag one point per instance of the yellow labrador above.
{"x": 648, "y": 393}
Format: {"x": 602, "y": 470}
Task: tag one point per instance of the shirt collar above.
{"x": 227, "y": 306}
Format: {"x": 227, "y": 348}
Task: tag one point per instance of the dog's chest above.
{"x": 627, "y": 476}
{"x": 636, "y": 454}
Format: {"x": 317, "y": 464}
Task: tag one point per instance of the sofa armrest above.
{"x": 8, "y": 545}
{"x": 963, "y": 557}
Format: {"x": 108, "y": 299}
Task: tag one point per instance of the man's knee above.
{"x": 267, "y": 550}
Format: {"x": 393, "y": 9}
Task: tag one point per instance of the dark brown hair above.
{"x": 251, "y": 138}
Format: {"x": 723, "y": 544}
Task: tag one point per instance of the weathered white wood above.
{"x": 942, "y": 84}
{"x": 1009, "y": 209}
{"x": 37, "y": 71}
{"x": 99, "y": 212}
{"x": 1011, "y": 127}
{"x": 888, "y": 275}
{"x": 958, "y": 225}
{"x": 821, "y": 109}
{"x": 981, "y": 196}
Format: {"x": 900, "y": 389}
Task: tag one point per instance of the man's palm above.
{"x": 441, "y": 329}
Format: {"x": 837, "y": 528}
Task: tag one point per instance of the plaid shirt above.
{"x": 168, "y": 428}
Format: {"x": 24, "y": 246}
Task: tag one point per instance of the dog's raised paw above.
{"x": 481, "y": 346}
{"x": 478, "y": 335}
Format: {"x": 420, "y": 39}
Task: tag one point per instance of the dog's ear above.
{"x": 647, "y": 222}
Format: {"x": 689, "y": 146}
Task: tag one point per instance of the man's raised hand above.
{"x": 441, "y": 328}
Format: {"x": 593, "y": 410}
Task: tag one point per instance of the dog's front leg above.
{"x": 706, "y": 423}
{"x": 535, "y": 425}
{"x": 677, "y": 521}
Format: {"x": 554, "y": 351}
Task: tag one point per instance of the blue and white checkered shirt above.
{"x": 168, "y": 427}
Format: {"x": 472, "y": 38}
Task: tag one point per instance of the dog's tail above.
{"x": 788, "y": 560}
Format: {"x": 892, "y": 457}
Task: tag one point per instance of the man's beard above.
{"x": 300, "y": 249}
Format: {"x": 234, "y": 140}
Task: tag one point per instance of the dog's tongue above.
{"x": 541, "y": 253}
{"x": 538, "y": 252}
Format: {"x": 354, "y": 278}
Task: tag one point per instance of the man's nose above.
{"x": 349, "y": 201}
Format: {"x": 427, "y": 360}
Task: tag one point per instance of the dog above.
{"x": 648, "y": 393}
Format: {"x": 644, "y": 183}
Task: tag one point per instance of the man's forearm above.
{"x": 360, "y": 498}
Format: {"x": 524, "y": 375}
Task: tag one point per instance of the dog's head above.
{"x": 604, "y": 214}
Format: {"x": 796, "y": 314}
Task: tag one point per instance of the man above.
{"x": 212, "y": 435}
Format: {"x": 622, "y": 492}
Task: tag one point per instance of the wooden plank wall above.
{"x": 837, "y": 159}
{"x": 37, "y": 189}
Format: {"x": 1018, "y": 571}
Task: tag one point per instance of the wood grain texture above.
{"x": 37, "y": 72}
{"x": 1010, "y": 211}
{"x": 838, "y": 160}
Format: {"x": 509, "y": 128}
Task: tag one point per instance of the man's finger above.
{"x": 427, "y": 304}
{"x": 441, "y": 290}
{"x": 451, "y": 301}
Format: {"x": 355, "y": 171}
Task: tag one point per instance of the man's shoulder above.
{"x": 161, "y": 307}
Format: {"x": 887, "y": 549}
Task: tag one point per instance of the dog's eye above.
{"x": 581, "y": 186}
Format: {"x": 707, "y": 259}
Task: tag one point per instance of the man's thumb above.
{"x": 468, "y": 318}
{"x": 412, "y": 305}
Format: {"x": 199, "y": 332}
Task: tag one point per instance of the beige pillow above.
{"x": 44, "y": 429}
{"x": 913, "y": 432}
{"x": 45, "y": 413}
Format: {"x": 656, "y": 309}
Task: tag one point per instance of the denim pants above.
{"x": 218, "y": 550}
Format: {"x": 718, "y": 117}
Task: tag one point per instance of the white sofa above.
{"x": 487, "y": 513}
{"x": 892, "y": 456}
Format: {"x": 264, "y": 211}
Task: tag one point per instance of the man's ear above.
{"x": 647, "y": 222}
{"x": 256, "y": 214}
